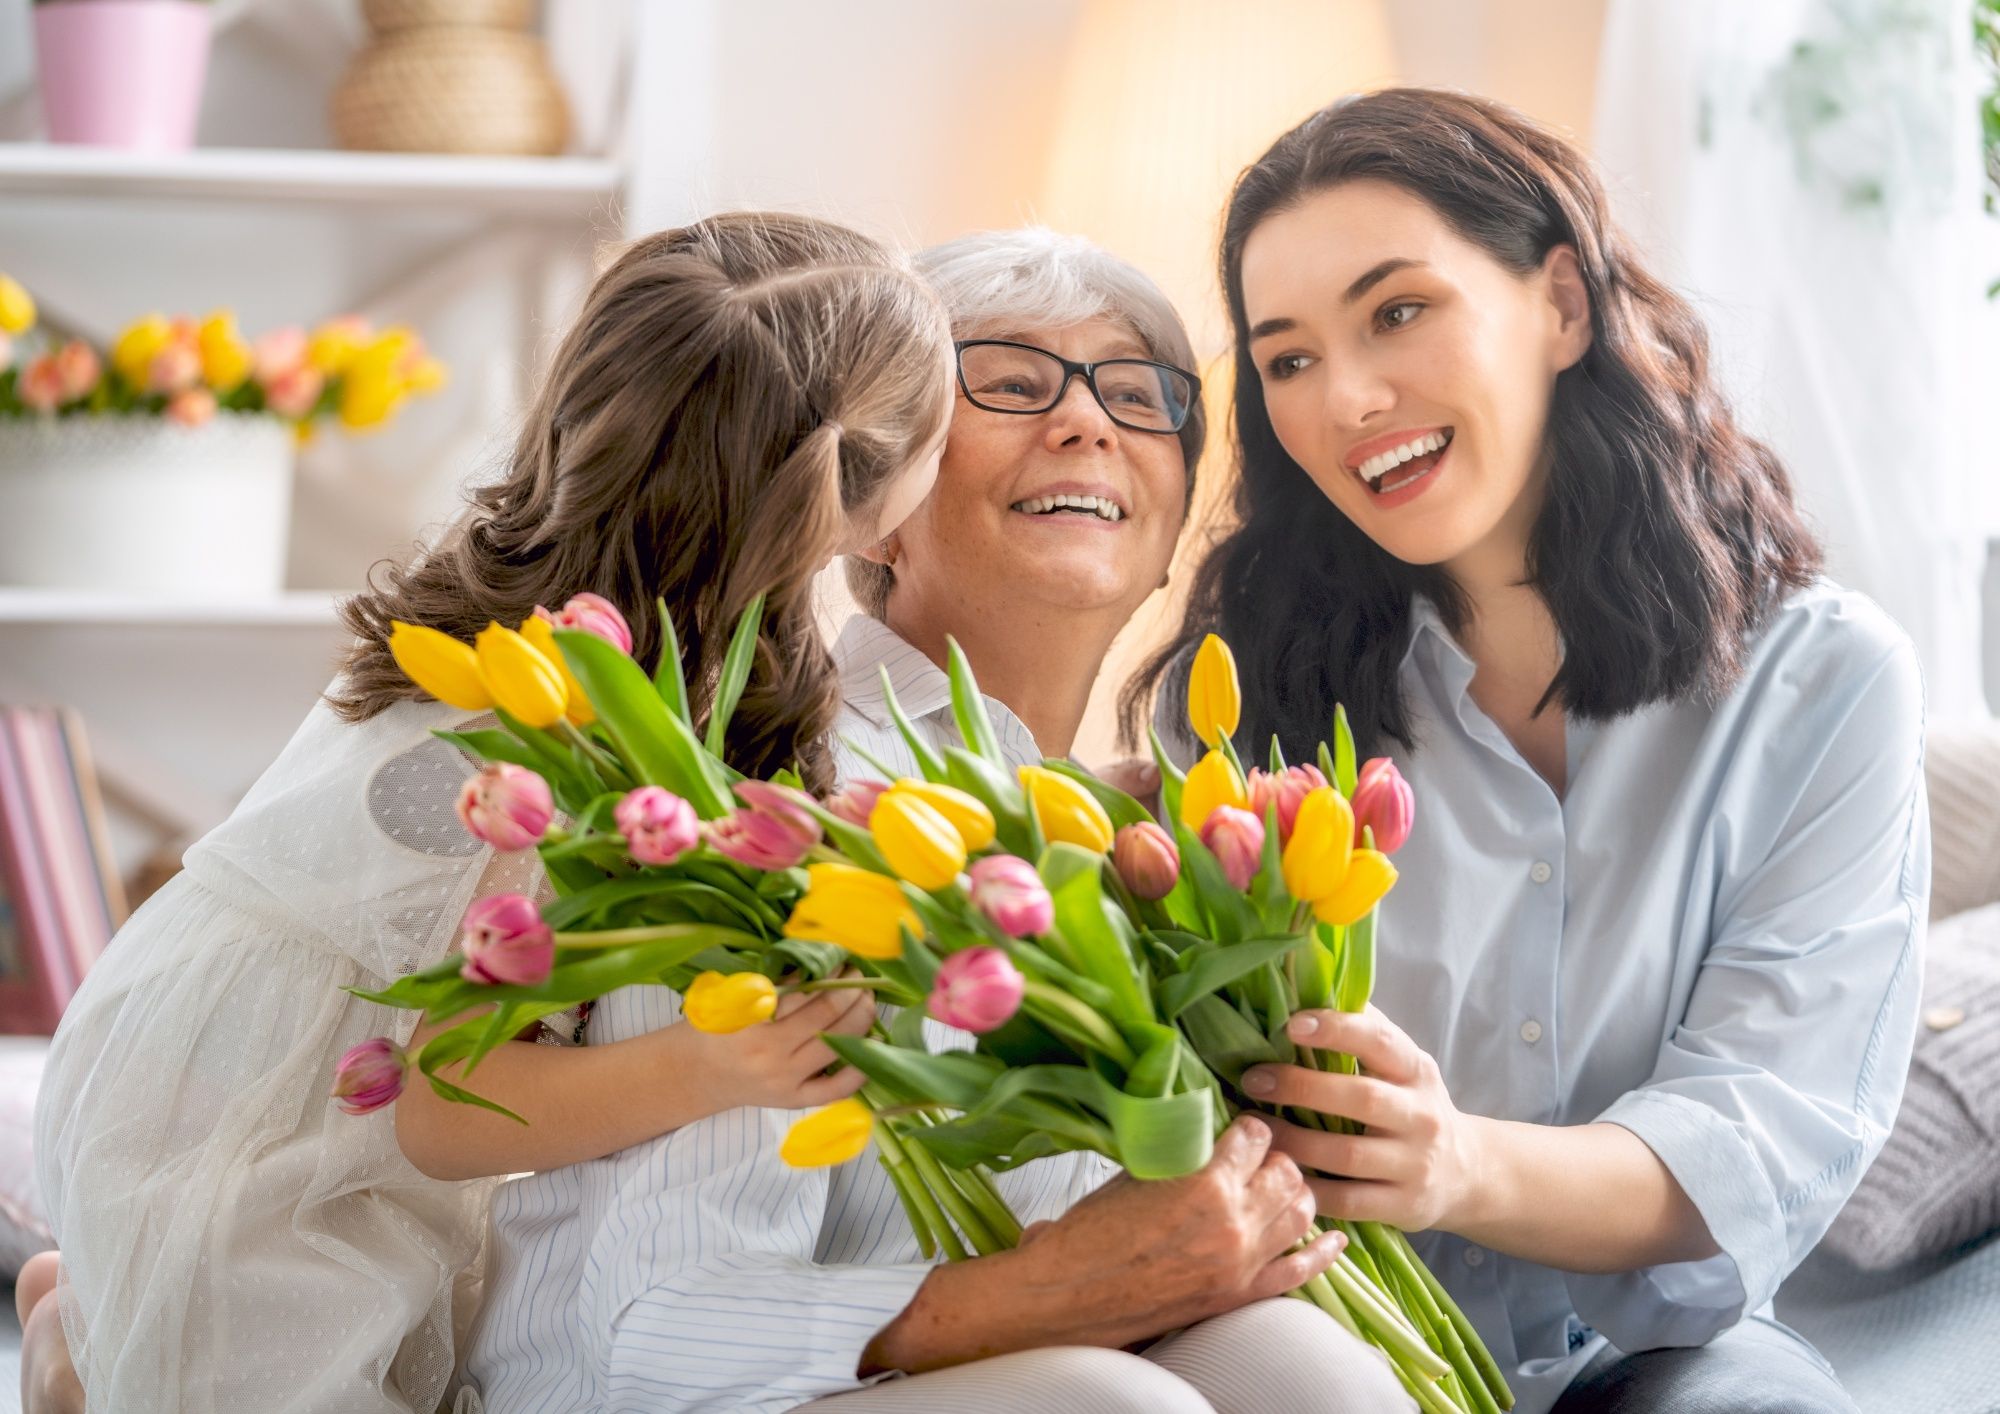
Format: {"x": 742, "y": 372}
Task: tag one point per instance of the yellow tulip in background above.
{"x": 829, "y": 1136}
{"x": 1215, "y": 702}
{"x": 1316, "y": 857}
{"x": 226, "y": 359}
{"x": 916, "y": 838}
{"x": 1369, "y": 877}
{"x": 442, "y": 666}
{"x": 520, "y": 678}
{"x": 1213, "y": 781}
{"x": 967, "y": 813}
{"x": 542, "y": 635}
{"x": 1066, "y": 812}
{"x": 861, "y": 910}
{"x": 721, "y": 1002}
{"x": 138, "y": 346}
{"x": 17, "y": 307}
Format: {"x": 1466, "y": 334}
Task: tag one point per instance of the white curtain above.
{"x": 1808, "y": 171}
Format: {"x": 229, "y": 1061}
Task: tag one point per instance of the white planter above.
{"x": 143, "y": 505}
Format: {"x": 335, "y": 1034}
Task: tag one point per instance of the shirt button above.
{"x": 1531, "y": 1031}
{"x": 1474, "y": 1256}
{"x": 1541, "y": 873}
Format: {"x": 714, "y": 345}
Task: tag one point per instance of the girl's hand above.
{"x": 779, "y": 1064}
{"x": 1416, "y": 1166}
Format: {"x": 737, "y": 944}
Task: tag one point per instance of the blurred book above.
{"x": 60, "y": 896}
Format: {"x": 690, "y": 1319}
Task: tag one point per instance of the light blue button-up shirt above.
{"x": 1712, "y": 939}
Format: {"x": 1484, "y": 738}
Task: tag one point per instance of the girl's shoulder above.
{"x": 1828, "y": 651}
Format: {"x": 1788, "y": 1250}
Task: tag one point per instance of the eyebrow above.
{"x": 1369, "y": 279}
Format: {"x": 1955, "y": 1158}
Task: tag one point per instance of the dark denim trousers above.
{"x": 1757, "y": 1367}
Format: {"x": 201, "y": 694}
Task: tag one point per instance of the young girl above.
{"x": 1646, "y": 1012}
{"x": 738, "y": 402}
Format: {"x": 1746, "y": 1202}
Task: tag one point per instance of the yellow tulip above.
{"x": 917, "y": 839}
{"x": 1317, "y": 855}
{"x": 1067, "y": 813}
{"x": 440, "y": 665}
{"x": 17, "y": 307}
{"x": 854, "y": 908}
{"x": 368, "y": 398}
{"x": 829, "y": 1136}
{"x": 428, "y": 375}
{"x": 1213, "y": 782}
{"x": 520, "y": 678}
{"x": 1215, "y": 702}
{"x": 1370, "y": 875}
{"x": 542, "y": 634}
{"x": 968, "y": 813}
{"x": 721, "y": 1002}
{"x": 138, "y": 346}
{"x": 226, "y": 358}
{"x": 334, "y": 344}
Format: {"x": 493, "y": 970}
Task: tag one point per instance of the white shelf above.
{"x": 312, "y": 609}
{"x": 551, "y": 187}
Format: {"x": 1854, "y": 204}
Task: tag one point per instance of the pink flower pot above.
{"x": 123, "y": 73}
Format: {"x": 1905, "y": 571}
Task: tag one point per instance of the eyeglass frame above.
{"x": 1072, "y": 370}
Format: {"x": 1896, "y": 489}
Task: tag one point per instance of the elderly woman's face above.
{"x": 992, "y": 517}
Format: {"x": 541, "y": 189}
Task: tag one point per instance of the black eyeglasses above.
{"x": 1000, "y": 376}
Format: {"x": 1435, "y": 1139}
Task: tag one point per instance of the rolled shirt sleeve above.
{"x": 1778, "y": 1087}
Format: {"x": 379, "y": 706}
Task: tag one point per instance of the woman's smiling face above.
{"x": 990, "y": 515}
{"x": 1407, "y": 371}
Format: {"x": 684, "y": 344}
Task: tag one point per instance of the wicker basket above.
{"x": 446, "y": 84}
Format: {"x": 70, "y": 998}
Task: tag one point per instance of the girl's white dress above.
{"x": 232, "y": 1241}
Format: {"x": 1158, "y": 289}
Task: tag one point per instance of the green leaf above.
{"x": 958, "y": 1079}
{"x": 906, "y": 1029}
{"x": 1313, "y": 970}
{"x": 999, "y": 792}
{"x": 1211, "y": 972}
{"x": 1277, "y": 756}
{"x": 736, "y": 665}
{"x": 1073, "y": 877}
{"x": 1343, "y": 753}
{"x": 814, "y": 960}
{"x": 668, "y": 681}
{"x": 968, "y": 707}
{"x": 1229, "y": 912}
{"x": 493, "y": 746}
{"x": 1223, "y": 1039}
{"x": 1357, "y": 971}
{"x": 657, "y": 746}
{"x": 929, "y": 763}
{"x": 1172, "y": 778}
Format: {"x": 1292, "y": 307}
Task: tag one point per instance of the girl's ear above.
{"x": 883, "y": 551}
{"x": 1571, "y": 301}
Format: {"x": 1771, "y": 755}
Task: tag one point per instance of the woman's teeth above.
{"x": 1382, "y": 463}
{"x": 1099, "y": 506}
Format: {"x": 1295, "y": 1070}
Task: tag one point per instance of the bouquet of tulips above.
{"x": 1116, "y": 975}
{"x": 188, "y": 370}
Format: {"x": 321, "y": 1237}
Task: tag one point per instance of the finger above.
{"x": 815, "y": 1014}
{"x": 1292, "y": 1221}
{"x": 1376, "y": 1103}
{"x": 1034, "y": 1230}
{"x": 856, "y": 1020}
{"x": 825, "y": 1089}
{"x": 1241, "y": 1149}
{"x": 1383, "y": 1048}
{"x": 1338, "y": 1155}
{"x": 1358, "y": 1201}
{"x": 1275, "y": 1185}
{"x": 1134, "y": 775}
{"x": 1295, "y": 1269}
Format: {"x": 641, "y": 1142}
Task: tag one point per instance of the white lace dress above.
{"x": 232, "y": 1241}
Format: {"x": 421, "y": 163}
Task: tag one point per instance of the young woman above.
{"x": 1648, "y": 988}
{"x": 738, "y": 402}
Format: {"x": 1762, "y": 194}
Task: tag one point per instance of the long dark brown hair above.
{"x": 1666, "y": 536}
{"x": 730, "y": 394}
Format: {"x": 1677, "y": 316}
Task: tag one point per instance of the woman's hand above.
{"x": 1137, "y": 776}
{"x": 1417, "y": 1165}
{"x": 1130, "y": 1262}
{"x": 780, "y": 1064}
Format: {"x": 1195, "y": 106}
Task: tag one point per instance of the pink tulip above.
{"x": 1147, "y": 859}
{"x": 278, "y": 353}
{"x": 592, "y": 613}
{"x": 191, "y": 407}
{"x": 369, "y": 1076}
{"x": 1236, "y": 839}
{"x": 976, "y": 990}
{"x": 773, "y": 831}
{"x": 507, "y": 806}
{"x": 853, "y": 801}
{"x": 174, "y": 368}
{"x": 295, "y": 392}
{"x": 40, "y": 385}
{"x": 506, "y": 943}
{"x": 1284, "y": 790}
{"x": 1383, "y": 802}
{"x": 1010, "y": 893}
{"x": 77, "y": 362}
{"x": 659, "y": 827}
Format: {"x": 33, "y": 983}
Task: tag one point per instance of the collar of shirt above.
{"x": 867, "y": 647}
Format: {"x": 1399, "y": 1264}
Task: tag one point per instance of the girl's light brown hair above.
{"x": 731, "y": 395}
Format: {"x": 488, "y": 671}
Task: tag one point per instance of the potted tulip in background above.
{"x": 122, "y": 73}
{"x": 164, "y": 463}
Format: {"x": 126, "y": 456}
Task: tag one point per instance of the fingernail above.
{"x": 1303, "y": 1025}
{"x": 1259, "y": 1082}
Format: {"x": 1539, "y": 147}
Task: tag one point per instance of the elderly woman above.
{"x": 696, "y": 1271}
